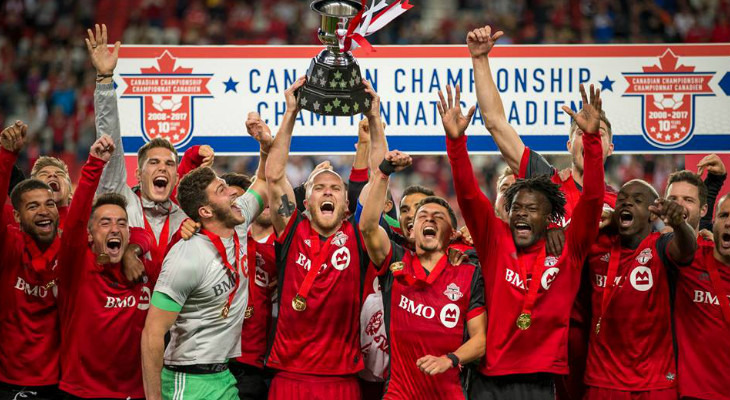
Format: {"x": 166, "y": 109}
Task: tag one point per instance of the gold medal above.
{"x": 397, "y": 266}
{"x": 248, "y": 313}
{"x": 50, "y": 284}
{"x": 524, "y": 321}
{"x": 598, "y": 326}
{"x": 299, "y": 303}
{"x": 103, "y": 259}
{"x": 225, "y": 311}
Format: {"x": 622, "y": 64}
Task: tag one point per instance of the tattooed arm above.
{"x": 281, "y": 194}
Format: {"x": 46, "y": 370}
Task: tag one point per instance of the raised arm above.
{"x": 12, "y": 140}
{"x": 583, "y": 230}
{"x": 74, "y": 240}
{"x": 468, "y": 194}
{"x": 281, "y": 194}
{"x": 376, "y": 239}
{"x": 114, "y": 178}
{"x": 378, "y": 143}
{"x": 194, "y": 157}
{"x": 360, "y": 166}
{"x": 716, "y": 175}
{"x": 263, "y": 136}
{"x": 683, "y": 244}
{"x": 480, "y": 42}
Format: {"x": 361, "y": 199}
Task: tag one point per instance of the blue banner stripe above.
{"x": 436, "y": 144}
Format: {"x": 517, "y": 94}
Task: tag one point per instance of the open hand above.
{"x": 455, "y": 123}
{"x": 589, "y": 117}
{"x": 101, "y": 58}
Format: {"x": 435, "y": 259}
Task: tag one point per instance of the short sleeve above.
{"x": 251, "y": 205}
{"x": 182, "y": 271}
{"x": 476, "y": 301}
{"x": 534, "y": 164}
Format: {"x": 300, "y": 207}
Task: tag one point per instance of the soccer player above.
{"x": 529, "y": 294}
{"x": 248, "y": 369}
{"x": 101, "y": 312}
{"x": 203, "y": 291}
{"x": 150, "y": 205}
{"x": 528, "y": 163}
{"x": 431, "y": 305}
{"x": 29, "y": 351}
{"x": 701, "y": 313}
{"x": 316, "y": 345}
{"x": 54, "y": 173}
{"x": 630, "y": 354}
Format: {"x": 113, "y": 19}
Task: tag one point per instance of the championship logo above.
{"x": 167, "y": 94}
{"x": 668, "y": 93}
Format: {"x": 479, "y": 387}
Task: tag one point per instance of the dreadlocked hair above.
{"x": 544, "y": 185}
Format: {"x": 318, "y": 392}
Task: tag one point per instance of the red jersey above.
{"x": 543, "y": 347}
{"x": 703, "y": 334}
{"x": 102, "y": 314}
{"x": 324, "y": 339}
{"x": 633, "y": 349}
{"x": 28, "y": 312}
{"x": 427, "y": 317}
{"x": 256, "y": 327}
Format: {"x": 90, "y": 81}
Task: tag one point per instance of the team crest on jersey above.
{"x": 397, "y": 266}
{"x": 644, "y": 257}
{"x": 167, "y": 94}
{"x": 450, "y": 315}
{"x": 550, "y": 261}
{"x": 308, "y": 242}
{"x": 340, "y": 239}
{"x": 548, "y": 277}
{"x": 641, "y": 279}
{"x": 262, "y": 278}
{"x": 341, "y": 258}
{"x": 453, "y": 292}
{"x": 668, "y": 93}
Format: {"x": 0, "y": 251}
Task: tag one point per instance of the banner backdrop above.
{"x": 659, "y": 98}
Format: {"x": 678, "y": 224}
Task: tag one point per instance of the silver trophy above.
{"x": 334, "y": 82}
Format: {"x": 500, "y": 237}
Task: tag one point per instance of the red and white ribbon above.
{"x": 368, "y": 22}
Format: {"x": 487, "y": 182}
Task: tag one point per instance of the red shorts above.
{"x": 292, "y": 386}
{"x": 596, "y": 393}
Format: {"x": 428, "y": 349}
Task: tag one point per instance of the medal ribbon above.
{"x": 317, "y": 256}
{"x": 160, "y": 246}
{"x": 537, "y": 268}
{"x": 251, "y": 256}
{"x": 232, "y": 269}
{"x": 41, "y": 261}
{"x": 719, "y": 289}
{"x": 608, "y": 291}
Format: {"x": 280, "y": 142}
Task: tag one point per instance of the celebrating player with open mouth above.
{"x": 529, "y": 294}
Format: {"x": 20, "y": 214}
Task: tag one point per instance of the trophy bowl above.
{"x": 334, "y": 82}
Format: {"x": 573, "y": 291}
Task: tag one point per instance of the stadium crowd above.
{"x": 275, "y": 277}
{"x": 44, "y": 79}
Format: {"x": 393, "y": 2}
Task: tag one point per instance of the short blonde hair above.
{"x": 47, "y": 161}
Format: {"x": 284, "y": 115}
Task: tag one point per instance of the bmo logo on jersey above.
{"x": 31, "y": 290}
{"x": 341, "y": 258}
{"x": 549, "y": 276}
{"x": 130, "y": 301}
{"x": 641, "y": 279}
{"x": 450, "y": 315}
{"x": 419, "y": 310}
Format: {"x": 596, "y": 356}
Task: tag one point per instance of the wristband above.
{"x": 386, "y": 168}
{"x": 454, "y": 359}
{"x": 101, "y": 77}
